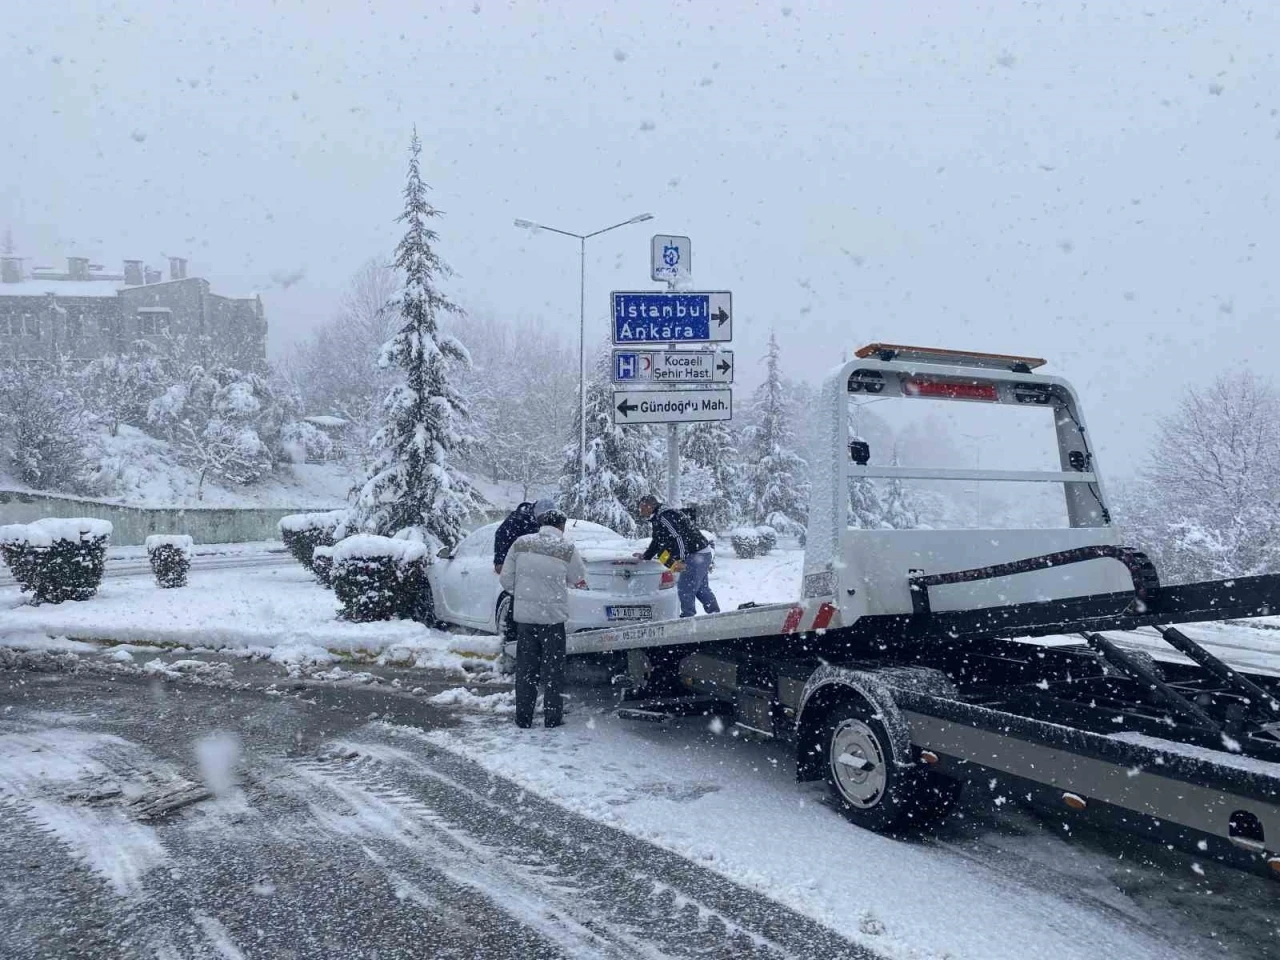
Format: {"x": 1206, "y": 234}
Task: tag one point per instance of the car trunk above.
{"x": 618, "y": 573}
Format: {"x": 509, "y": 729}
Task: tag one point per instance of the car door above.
{"x": 469, "y": 587}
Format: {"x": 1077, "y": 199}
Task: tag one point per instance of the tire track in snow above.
{"x": 633, "y": 891}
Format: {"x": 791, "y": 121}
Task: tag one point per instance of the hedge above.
{"x": 57, "y": 559}
{"x": 380, "y": 578}
{"x": 170, "y": 557}
{"x": 303, "y": 532}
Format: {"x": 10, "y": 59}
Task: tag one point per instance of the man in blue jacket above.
{"x": 679, "y": 545}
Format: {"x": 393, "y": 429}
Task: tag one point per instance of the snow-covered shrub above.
{"x": 768, "y": 538}
{"x": 20, "y": 554}
{"x": 170, "y": 557}
{"x": 322, "y": 564}
{"x": 303, "y": 532}
{"x": 62, "y": 559}
{"x": 746, "y": 542}
{"x": 380, "y": 578}
{"x": 305, "y": 442}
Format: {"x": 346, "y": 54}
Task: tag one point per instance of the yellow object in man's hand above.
{"x": 678, "y": 566}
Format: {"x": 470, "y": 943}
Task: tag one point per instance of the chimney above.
{"x": 11, "y": 270}
{"x": 177, "y": 268}
{"x": 151, "y": 276}
{"x": 133, "y": 273}
{"x": 77, "y": 268}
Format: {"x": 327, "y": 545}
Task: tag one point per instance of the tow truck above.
{"x": 916, "y": 661}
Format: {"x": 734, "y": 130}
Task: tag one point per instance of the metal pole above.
{"x": 582, "y": 365}
{"x": 673, "y": 447}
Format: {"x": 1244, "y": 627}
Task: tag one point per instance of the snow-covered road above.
{"x": 185, "y": 822}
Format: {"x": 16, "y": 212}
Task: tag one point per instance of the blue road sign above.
{"x": 651, "y": 316}
{"x": 624, "y": 367}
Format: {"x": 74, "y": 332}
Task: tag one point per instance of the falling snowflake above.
{"x": 138, "y": 135}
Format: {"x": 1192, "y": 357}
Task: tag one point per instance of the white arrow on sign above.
{"x": 673, "y": 366}
{"x": 672, "y": 406}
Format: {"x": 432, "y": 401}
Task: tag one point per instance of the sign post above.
{"x": 646, "y": 319}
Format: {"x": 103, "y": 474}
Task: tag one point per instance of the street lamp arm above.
{"x": 637, "y": 219}
{"x": 530, "y": 225}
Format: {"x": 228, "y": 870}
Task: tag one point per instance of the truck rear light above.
{"x": 950, "y": 389}
{"x": 668, "y": 580}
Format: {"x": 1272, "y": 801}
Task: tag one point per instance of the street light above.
{"x": 582, "y": 239}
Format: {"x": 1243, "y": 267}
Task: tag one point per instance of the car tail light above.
{"x": 668, "y": 580}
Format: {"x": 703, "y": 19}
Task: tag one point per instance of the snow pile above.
{"x": 496, "y": 703}
{"x": 366, "y": 546}
{"x": 178, "y": 541}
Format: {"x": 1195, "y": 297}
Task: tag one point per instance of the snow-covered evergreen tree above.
{"x": 413, "y": 479}
{"x": 901, "y": 511}
{"x": 710, "y": 452}
{"x": 621, "y": 465}
{"x": 779, "y": 485}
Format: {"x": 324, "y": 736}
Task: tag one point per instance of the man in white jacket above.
{"x": 538, "y": 572}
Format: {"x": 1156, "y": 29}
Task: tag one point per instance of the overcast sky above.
{"x": 1089, "y": 182}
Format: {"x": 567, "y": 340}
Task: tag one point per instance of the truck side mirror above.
{"x": 444, "y": 553}
{"x": 859, "y": 452}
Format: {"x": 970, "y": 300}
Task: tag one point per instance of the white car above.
{"x": 466, "y": 591}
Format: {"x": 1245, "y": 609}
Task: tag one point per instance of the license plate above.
{"x": 629, "y": 613}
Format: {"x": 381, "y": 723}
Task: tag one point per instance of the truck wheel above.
{"x": 869, "y": 783}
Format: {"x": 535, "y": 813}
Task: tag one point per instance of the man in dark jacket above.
{"x": 680, "y": 545}
{"x": 520, "y": 521}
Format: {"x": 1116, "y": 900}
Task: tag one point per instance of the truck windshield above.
{"x": 948, "y": 435}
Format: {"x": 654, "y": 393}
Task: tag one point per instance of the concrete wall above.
{"x": 134, "y": 524}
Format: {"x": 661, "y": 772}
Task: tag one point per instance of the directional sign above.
{"x": 673, "y": 366}
{"x": 651, "y": 316}
{"x": 670, "y": 258}
{"x": 672, "y": 406}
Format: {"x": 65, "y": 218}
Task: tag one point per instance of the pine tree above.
{"x": 779, "y": 488}
{"x": 412, "y": 479}
{"x": 710, "y": 450}
{"x": 621, "y": 465}
{"x": 901, "y": 512}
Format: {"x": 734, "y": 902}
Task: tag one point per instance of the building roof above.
{"x": 35, "y": 287}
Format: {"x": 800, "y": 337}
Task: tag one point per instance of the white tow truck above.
{"x": 907, "y": 665}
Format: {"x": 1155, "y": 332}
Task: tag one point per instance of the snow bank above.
{"x": 73, "y": 528}
{"x": 366, "y": 545}
{"x": 299, "y": 522}
{"x": 277, "y": 611}
{"x": 181, "y": 541}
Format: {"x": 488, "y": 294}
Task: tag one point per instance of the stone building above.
{"x": 84, "y": 313}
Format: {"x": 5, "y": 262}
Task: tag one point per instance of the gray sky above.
{"x": 1087, "y": 182}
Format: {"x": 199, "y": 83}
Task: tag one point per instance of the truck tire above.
{"x": 871, "y": 785}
